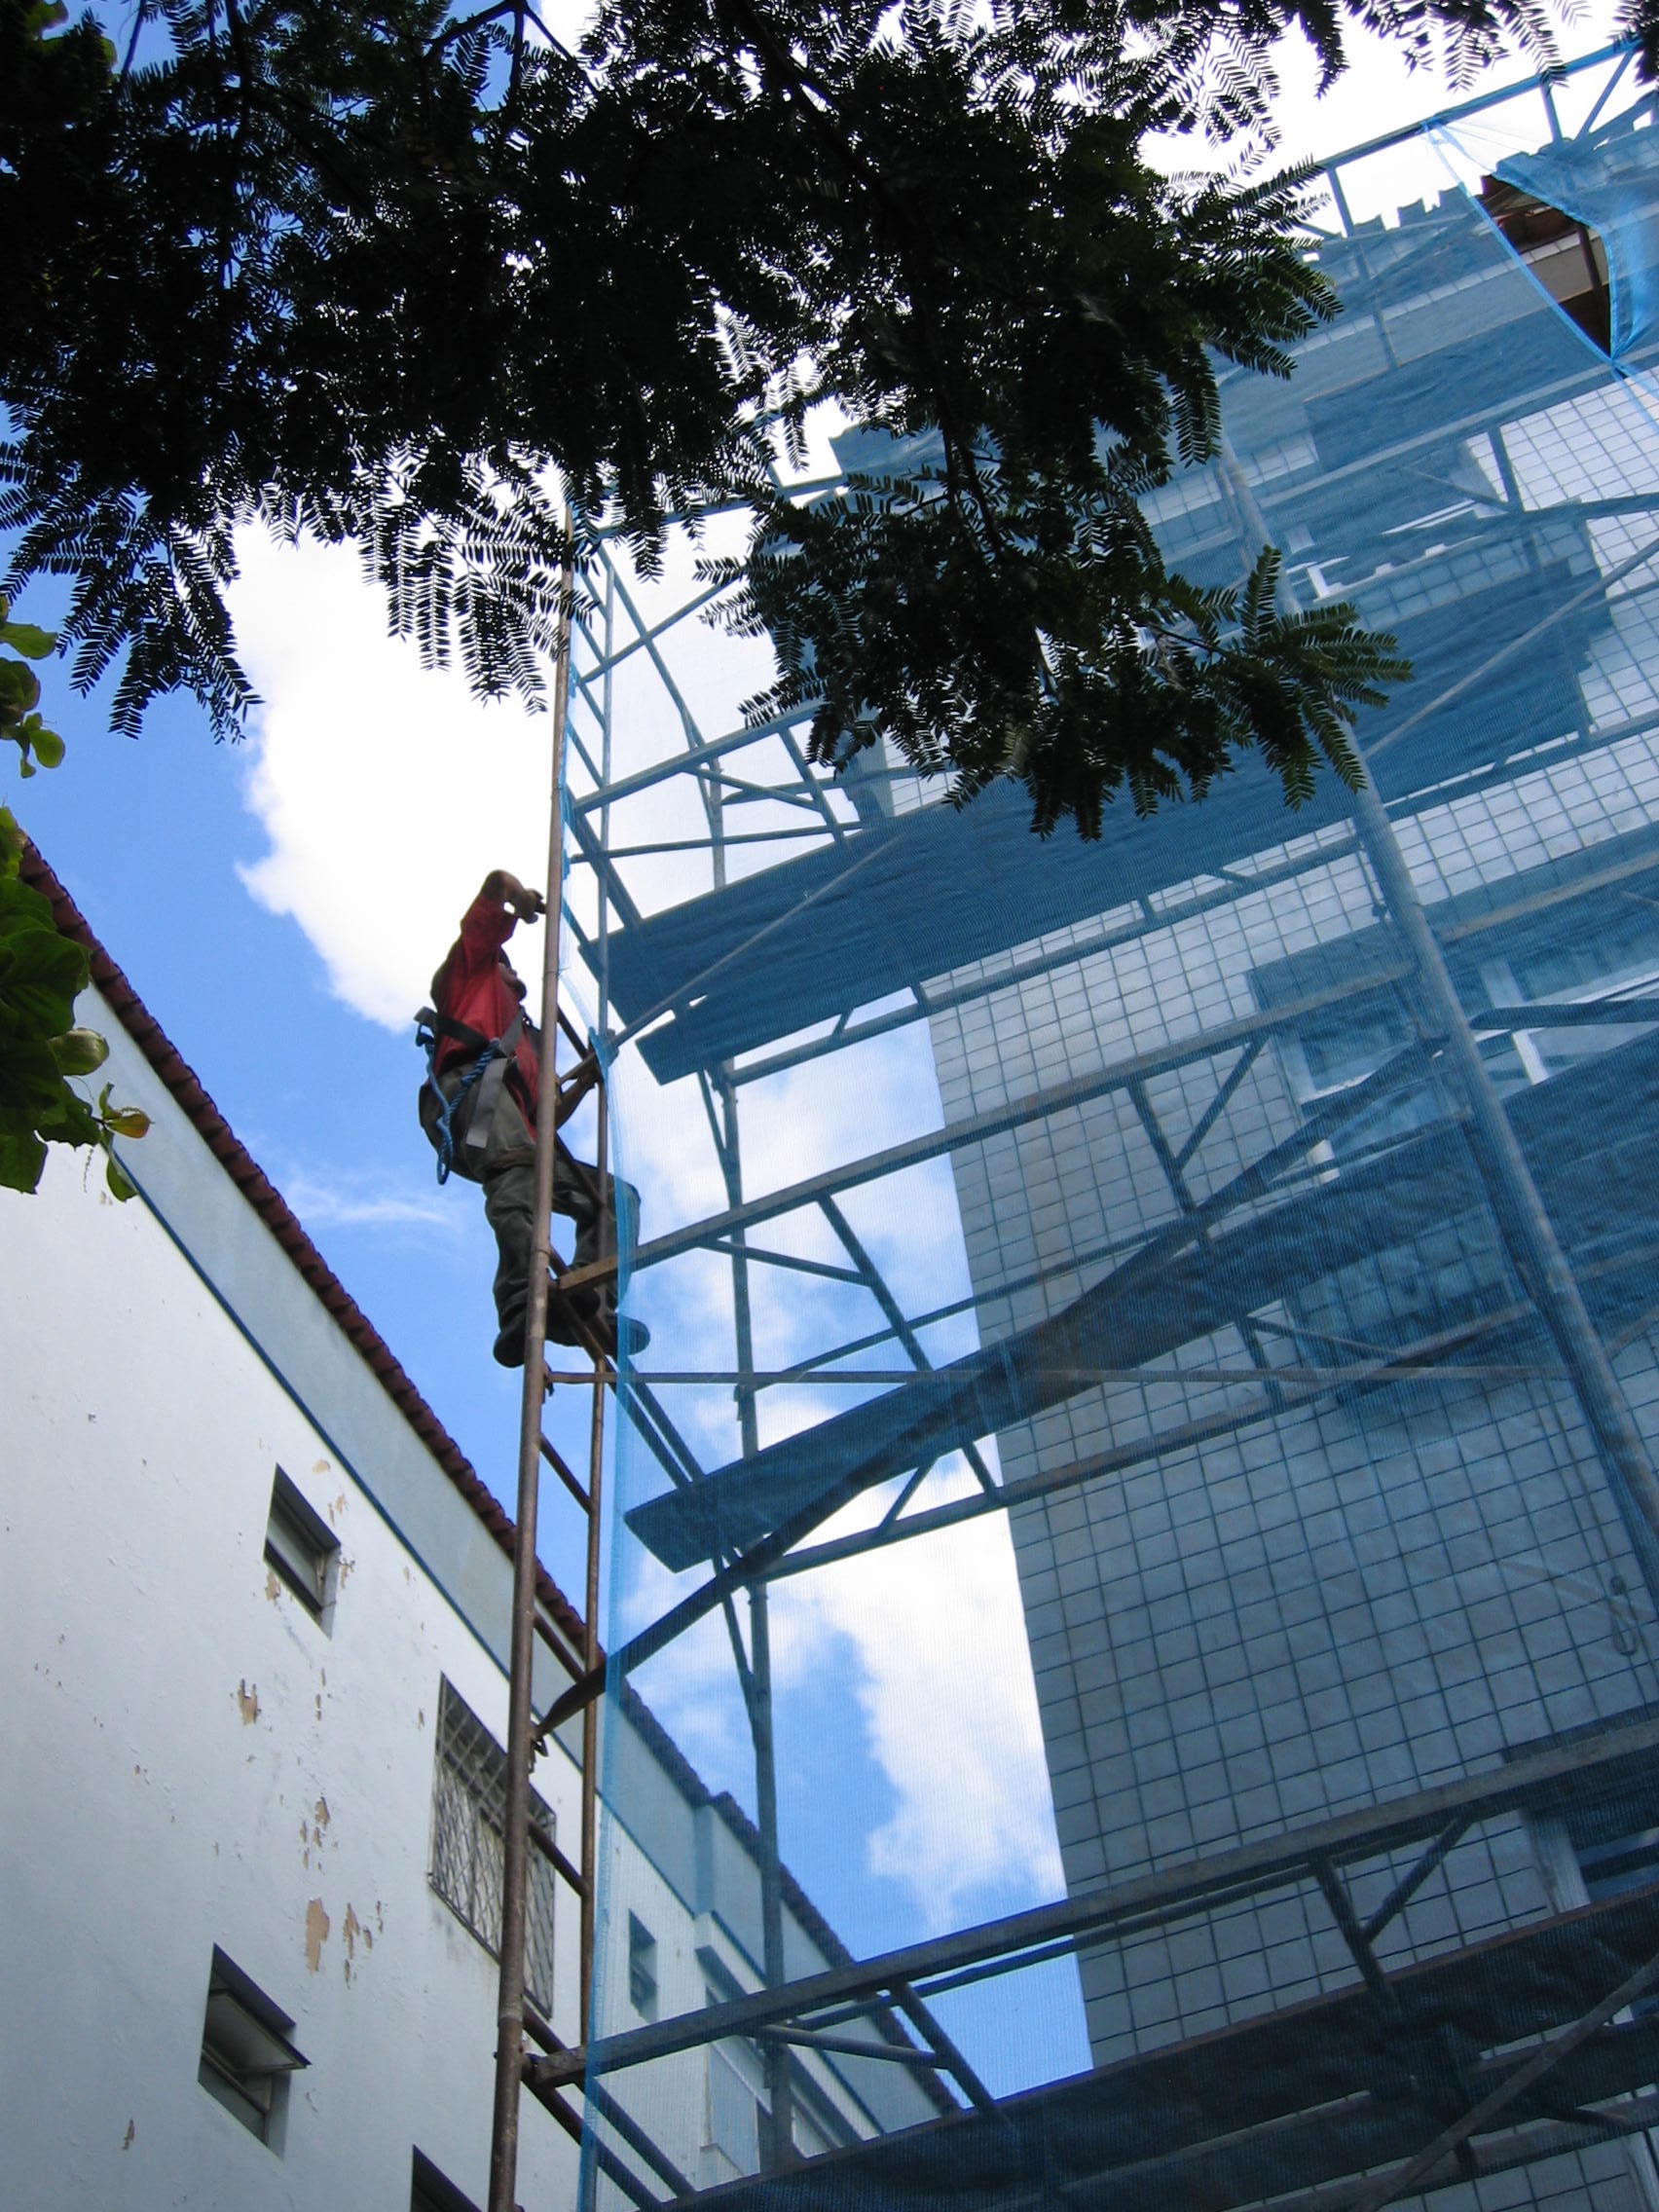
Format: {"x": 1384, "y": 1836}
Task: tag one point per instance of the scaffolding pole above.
{"x": 510, "y": 2010}
{"x": 1529, "y": 1234}
{"x": 1527, "y": 1229}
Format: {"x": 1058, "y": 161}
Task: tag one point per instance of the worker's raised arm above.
{"x": 503, "y": 889}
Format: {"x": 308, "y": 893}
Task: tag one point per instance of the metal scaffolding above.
{"x": 1484, "y": 2055}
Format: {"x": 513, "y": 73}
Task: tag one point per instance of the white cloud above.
{"x": 323, "y": 1203}
{"x": 928, "y": 1640}
{"x": 944, "y": 1682}
{"x": 387, "y": 791}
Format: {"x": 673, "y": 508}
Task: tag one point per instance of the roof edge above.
{"x": 268, "y": 1202}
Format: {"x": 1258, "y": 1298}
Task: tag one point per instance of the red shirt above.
{"x": 472, "y": 987}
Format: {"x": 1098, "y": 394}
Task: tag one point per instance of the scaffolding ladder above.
{"x": 517, "y": 2017}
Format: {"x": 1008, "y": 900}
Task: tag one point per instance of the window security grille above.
{"x": 301, "y": 1546}
{"x": 247, "y": 2057}
{"x": 469, "y": 1784}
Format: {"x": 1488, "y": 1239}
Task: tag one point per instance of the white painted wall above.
{"x": 193, "y": 1761}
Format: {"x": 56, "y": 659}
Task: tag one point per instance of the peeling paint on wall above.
{"x": 248, "y": 1701}
{"x": 316, "y": 1934}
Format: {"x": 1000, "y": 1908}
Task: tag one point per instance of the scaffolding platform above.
{"x": 1283, "y": 2106}
{"x": 1201, "y": 1276}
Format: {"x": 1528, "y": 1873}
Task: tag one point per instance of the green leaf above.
{"x": 78, "y": 1052}
{"x": 120, "y": 1184}
{"x": 22, "y": 1157}
{"x": 41, "y": 973}
{"x": 27, "y": 639}
{"x": 19, "y": 689}
{"x": 128, "y": 1121}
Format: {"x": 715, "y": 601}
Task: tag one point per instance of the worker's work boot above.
{"x": 621, "y": 1334}
{"x": 575, "y": 1322}
{"x": 589, "y": 1315}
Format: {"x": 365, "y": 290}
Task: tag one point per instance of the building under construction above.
{"x": 1131, "y": 1659}
{"x": 1249, "y": 1223}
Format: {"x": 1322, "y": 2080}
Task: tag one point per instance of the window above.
{"x": 301, "y": 1547}
{"x": 1599, "y": 965}
{"x": 247, "y": 2057}
{"x": 1566, "y": 256}
{"x": 469, "y": 1794}
{"x": 642, "y": 1967}
{"x": 733, "y": 2114}
{"x": 1592, "y": 1852}
{"x": 433, "y": 2192}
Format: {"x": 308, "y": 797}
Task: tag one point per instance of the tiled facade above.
{"x": 1355, "y": 1597}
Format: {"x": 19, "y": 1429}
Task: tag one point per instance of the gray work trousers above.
{"x": 508, "y": 1172}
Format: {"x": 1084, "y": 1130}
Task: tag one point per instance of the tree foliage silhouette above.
{"x": 406, "y": 273}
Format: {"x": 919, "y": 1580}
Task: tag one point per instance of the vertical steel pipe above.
{"x": 521, "y": 1712}
{"x": 590, "y": 1610}
{"x": 777, "y": 2121}
{"x": 1529, "y": 1234}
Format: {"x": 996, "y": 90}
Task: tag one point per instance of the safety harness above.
{"x": 487, "y": 1074}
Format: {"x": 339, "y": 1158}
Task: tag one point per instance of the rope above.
{"x": 443, "y": 1136}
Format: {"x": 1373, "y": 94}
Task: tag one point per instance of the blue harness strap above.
{"x": 489, "y": 1069}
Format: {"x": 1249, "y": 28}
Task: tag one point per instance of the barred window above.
{"x": 469, "y": 1788}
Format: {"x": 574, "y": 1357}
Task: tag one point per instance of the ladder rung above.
{"x": 556, "y": 1858}
{"x": 551, "y": 2101}
{"x": 557, "y": 1464}
{"x": 556, "y": 1642}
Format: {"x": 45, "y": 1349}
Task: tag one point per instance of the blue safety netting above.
{"x": 1115, "y": 1524}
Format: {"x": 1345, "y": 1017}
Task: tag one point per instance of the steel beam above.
{"x": 1402, "y": 2181}
{"x": 1522, "y": 1219}
{"x": 1618, "y": 1754}
{"x": 939, "y": 997}
{"x": 998, "y": 1121}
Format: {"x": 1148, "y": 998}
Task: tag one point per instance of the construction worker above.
{"x": 478, "y": 1107}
